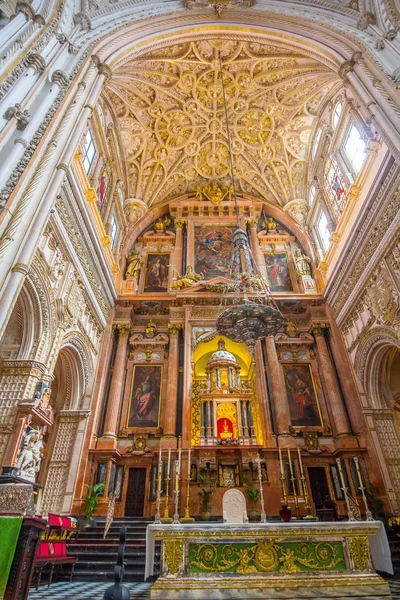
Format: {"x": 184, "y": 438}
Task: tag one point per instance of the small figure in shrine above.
{"x": 151, "y": 329}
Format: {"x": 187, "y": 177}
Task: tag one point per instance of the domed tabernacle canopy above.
{"x": 222, "y": 369}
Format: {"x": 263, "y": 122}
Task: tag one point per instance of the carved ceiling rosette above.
{"x": 169, "y": 107}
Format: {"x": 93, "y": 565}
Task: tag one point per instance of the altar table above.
{"x": 299, "y": 559}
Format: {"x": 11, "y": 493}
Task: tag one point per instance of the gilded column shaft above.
{"x": 114, "y": 399}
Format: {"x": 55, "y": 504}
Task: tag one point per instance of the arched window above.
{"x": 336, "y": 114}
{"x": 113, "y": 232}
{"x": 354, "y": 148}
{"x": 89, "y": 150}
{"x": 335, "y": 186}
{"x": 323, "y": 231}
{"x": 311, "y": 197}
{"x": 316, "y": 142}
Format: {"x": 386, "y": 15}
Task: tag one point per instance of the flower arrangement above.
{"x": 228, "y": 442}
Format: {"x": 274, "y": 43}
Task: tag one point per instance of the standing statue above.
{"x": 135, "y": 264}
{"x": 269, "y": 225}
{"x": 31, "y": 455}
{"x": 302, "y": 262}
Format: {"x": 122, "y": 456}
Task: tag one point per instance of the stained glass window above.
{"x": 311, "y": 197}
{"x": 335, "y": 186}
{"x": 113, "y": 232}
{"x": 323, "y": 231}
{"x": 354, "y": 148}
{"x": 316, "y": 142}
{"x": 336, "y": 114}
{"x": 89, "y": 150}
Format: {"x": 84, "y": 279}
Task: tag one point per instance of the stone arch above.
{"x": 369, "y": 360}
{"x": 72, "y": 372}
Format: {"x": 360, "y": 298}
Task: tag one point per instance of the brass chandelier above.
{"x": 252, "y": 313}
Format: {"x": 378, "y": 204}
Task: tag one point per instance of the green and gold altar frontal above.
{"x": 265, "y": 560}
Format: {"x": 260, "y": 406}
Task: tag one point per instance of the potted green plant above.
{"x": 205, "y": 500}
{"x": 91, "y": 501}
{"x": 253, "y": 495}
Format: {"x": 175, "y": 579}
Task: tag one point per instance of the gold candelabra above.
{"x": 187, "y": 518}
{"x": 166, "y": 518}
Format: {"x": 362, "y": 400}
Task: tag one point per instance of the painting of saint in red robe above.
{"x": 303, "y": 403}
{"x": 278, "y": 272}
{"x": 145, "y": 396}
{"x": 156, "y": 279}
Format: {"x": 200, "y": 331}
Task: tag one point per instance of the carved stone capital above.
{"x": 20, "y": 268}
{"x": 106, "y": 241}
{"x": 179, "y": 224}
{"x": 124, "y": 330}
{"x": 36, "y": 62}
{"x": 173, "y": 329}
{"x": 60, "y": 78}
{"x": 317, "y": 329}
{"x": 83, "y": 20}
{"x": 252, "y": 223}
{"x": 365, "y": 20}
{"x": 91, "y": 195}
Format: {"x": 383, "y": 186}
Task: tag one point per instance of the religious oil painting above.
{"x": 156, "y": 275}
{"x": 302, "y": 396}
{"x": 145, "y": 396}
{"x": 212, "y": 250}
{"x": 278, "y": 274}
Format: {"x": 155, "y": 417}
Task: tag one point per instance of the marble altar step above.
{"x": 97, "y": 556}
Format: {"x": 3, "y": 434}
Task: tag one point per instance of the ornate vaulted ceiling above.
{"x": 170, "y": 113}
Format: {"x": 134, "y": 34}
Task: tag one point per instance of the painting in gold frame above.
{"x": 156, "y": 272}
{"x": 302, "y": 395}
{"x": 145, "y": 399}
{"x": 278, "y": 273}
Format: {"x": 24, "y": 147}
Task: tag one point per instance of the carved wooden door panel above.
{"x": 134, "y": 506}
{"x": 319, "y": 484}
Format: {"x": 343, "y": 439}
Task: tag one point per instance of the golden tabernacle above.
{"x": 273, "y": 560}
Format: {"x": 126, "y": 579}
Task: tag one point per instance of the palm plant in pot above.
{"x": 91, "y": 501}
{"x": 253, "y": 495}
{"x": 205, "y": 500}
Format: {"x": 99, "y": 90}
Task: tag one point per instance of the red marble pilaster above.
{"x": 280, "y": 405}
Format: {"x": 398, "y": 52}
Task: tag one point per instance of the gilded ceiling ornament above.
{"x": 215, "y": 191}
{"x": 219, "y": 6}
{"x": 169, "y": 107}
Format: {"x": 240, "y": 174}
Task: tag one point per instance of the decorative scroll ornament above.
{"x": 358, "y": 547}
{"x": 219, "y": 6}
{"x": 215, "y": 191}
{"x": 173, "y": 552}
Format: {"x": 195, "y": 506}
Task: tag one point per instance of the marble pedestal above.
{"x": 269, "y": 560}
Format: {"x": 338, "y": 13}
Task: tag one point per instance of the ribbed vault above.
{"x": 168, "y": 104}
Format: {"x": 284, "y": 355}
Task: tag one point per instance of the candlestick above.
{"x": 166, "y": 518}
{"x": 368, "y": 513}
{"x": 300, "y": 463}
{"x": 176, "y": 492}
{"x": 293, "y": 480}
{"x": 160, "y": 468}
{"x": 263, "y": 515}
{"x": 280, "y": 462}
{"x": 344, "y": 488}
{"x": 187, "y": 518}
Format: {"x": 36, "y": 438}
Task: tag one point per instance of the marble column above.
{"x": 332, "y": 389}
{"x": 115, "y": 395}
{"x": 276, "y": 380}
{"x": 171, "y": 397}
{"x": 255, "y": 247}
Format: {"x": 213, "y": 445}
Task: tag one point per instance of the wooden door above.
{"x": 319, "y": 484}
{"x": 134, "y": 505}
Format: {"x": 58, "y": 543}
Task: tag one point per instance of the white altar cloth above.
{"x": 379, "y": 545}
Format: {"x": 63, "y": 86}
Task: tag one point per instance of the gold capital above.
{"x": 91, "y": 195}
{"x": 124, "y": 330}
{"x": 106, "y": 241}
{"x": 179, "y": 224}
{"x": 173, "y": 329}
{"x": 252, "y": 222}
{"x": 317, "y": 329}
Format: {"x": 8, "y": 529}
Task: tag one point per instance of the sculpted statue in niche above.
{"x": 269, "y": 225}
{"x": 42, "y": 404}
{"x": 302, "y": 262}
{"x": 188, "y": 279}
{"x": 31, "y": 455}
{"x": 135, "y": 265}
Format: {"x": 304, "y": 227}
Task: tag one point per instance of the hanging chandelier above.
{"x": 252, "y": 313}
